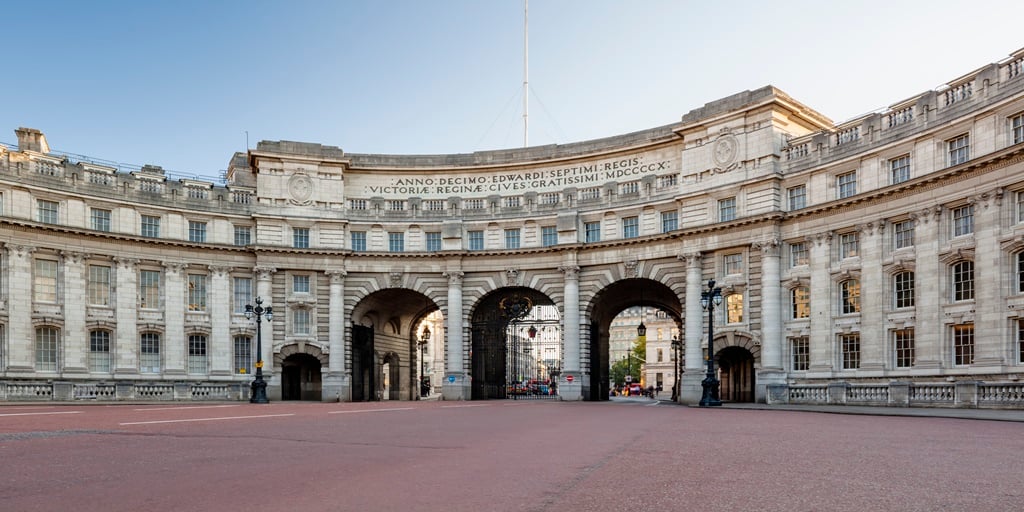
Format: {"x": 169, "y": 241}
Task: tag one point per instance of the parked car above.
{"x": 636, "y": 390}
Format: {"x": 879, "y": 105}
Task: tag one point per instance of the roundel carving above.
{"x": 725, "y": 150}
{"x": 301, "y": 188}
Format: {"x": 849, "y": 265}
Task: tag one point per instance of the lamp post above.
{"x": 708, "y": 300}
{"x": 424, "y": 338}
{"x": 259, "y": 386}
{"x": 677, "y": 346}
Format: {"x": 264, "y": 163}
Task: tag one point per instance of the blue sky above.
{"x": 178, "y": 84}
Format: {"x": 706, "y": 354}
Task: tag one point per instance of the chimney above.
{"x": 30, "y": 139}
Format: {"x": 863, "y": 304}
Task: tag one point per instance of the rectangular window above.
{"x": 243, "y": 235}
{"x": 196, "y": 231}
{"x": 592, "y": 231}
{"x": 197, "y": 292}
{"x": 903, "y": 290}
{"x": 476, "y": 240}
{"x": 669, "y": 221}
{"x": 959, "y": 149}
{"x": 300, "y": 283}
{"x": 1020, "y": 272}
{"x": 149, "y": 289}
{"x": 149, "y": 353}
{"x": 242, "y": 292}
{"x": 396, "y": 242}
{"x": 47, "y": 343}
{"x": 847, "y": 184}
{"x": 798, "y": 254}
{"x": 903, "y": 234}
{"x": 99, "y": 285}
{"x": 300, "y": 238}
{"x": 801, "y": 302}
{"x": 150, "y": 226}
{"x": 963, "y": 344}
{"x": 899, "y": 169}
{"x": 849, "y": 349}
{"x": 963, "y": 281}
{"x": 47, "y": 211}
{"x": 433, "y": 241}
{"x": 197, "y": 354}
{"x": 100, "y": 219}
{"x": 549, "y": 236}
{"x": 243, "y": 354}
{"x": 99, "y": 351}
{"x": 849, "y": 245}
{"x": 963, "y": 220}
{"x": 797, "y": 197}
{"x": 1020, "y": 341}
{"x": 300, "y": 321}
{"x": 1020, "y": 206}
{"x": 358, "y": 241}
{"x": 630, "y": 227}
{"x": 511, "y": 238}
{"x": 727, "y": 209}
{"x": 44, "y": 282}
{"x": 800, "y": 351}
{"x": 903, "y": 347}
{"x": 734, "y": 308}
{"x": 733, "y": 264}
{"x": 1017, "y": 128}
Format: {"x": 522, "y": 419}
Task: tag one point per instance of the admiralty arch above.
{"x": 875, "y": 261}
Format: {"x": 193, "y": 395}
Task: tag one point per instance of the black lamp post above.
{"x": 677, "y": 348}
{"x": 259, "y": 386}
{"x": 424, "y": 338}
{"x": 708, "y": 300}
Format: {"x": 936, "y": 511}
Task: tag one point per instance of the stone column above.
{"x": 264, "y": 290}
{"x": 989, "y": 318}
{"x": 337, "y": 386}
{"x": 126, "y": 347}
{"x": 220, "y": 307}
{"x": 571, "y": 329}
{"x": 173, "y": 349}
{"x": 456, "y": 386}
{"x": 693, "y": 331}
{"x": 771, "y": 371}
{"x": 76, "y": 339}
{"x": 822, "y": 305}
{"x": 928, "y": 295}
{"x": 20, "y": 334}
{"x": 873, "y": 299}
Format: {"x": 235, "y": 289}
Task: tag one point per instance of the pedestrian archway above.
{"x": 301, "y": 377}
{"x": 736, "y": 374}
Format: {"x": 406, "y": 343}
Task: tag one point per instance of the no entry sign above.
{"x": 568, "y": 378}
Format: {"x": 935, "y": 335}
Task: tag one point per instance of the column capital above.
{"x": 692, "y": 259}
{"x": 572, "y": 272}
{"x": 986, "y": 199}
{"x": 126, "y": 263}
{"x": 823, "y": 238}
{"x": 175, "y": 267}
{"x": 769, "y": 247}
{"x": 926, "y": 214}
{"x": 454, "y": 276}
{"x": 220, "y": 270}
{"x": 21, "y": 251}
{"x": 337, "y": 275}
{"x": 73, "y": 257}
{"x": 264, "y": 273}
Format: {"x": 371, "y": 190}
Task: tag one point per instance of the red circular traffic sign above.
{"x": 568, "y": 378}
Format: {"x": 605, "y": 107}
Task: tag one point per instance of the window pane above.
{"x": 243, "y": 293}
{"x": 44, "y": 285}
{"x": 99, "y": 351}
{"x": 669, "y": 221}
{"x": 99, "y": 285}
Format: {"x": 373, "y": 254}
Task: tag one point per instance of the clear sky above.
{"x": 179, "y": 83}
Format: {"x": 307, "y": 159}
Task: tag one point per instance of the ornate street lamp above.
{"x": 709, "y": 300}
{"x": 424, "y": 338}
{"x": 259, "y": 386}
{"x": 677, "y": 348}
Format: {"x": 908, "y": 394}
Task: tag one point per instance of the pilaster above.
{"x": 126, "y": 344}
{"x": 336, "y": 384}
{"x": 220, "y": 306}
{"x": 456, "y": 383}
{"x": 693, "y": 336}
{"x": 75, "y": 337}
{"x": 19, "y": 312}
{"x": 571, "y": 328}
{"x": 174, "y": 318}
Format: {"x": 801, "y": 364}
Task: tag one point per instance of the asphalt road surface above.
{"x": 633, "y": 454}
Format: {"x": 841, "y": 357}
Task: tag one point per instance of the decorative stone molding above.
{"x": 395, "y": 278}
{"x": 220, "y": 271}
{"x": 454, "y": 277}
{"x": 126, "y": 263}
{"x": 692, "y": 259}
{"x": 174, "y": 267}
{"x": 725, "y": 152}
{"x": 572, "y": 272}
{"x": 769, "y": 247}
{"x": 954, "y": 255}
{"x": 927, "y": 214}
{"x": 986, "y": 199}
{"x": 337, "y": 276}
{"x": 821, "y": 238}
{"x": 630, "y": 265}
{"x": 300, "y": 188}
{"x": 511, "y": 276}
{"x": 21, "y": 251}
{"x": 74, "y": 257}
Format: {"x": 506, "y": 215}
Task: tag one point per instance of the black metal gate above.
{"x": 364, "y": 373}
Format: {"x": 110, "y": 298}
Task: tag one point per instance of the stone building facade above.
{"x": 879, "y": 260}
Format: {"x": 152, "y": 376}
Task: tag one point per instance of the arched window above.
{"x": 903, "y": 290}
{"x": 149, "y": 352}
{"x": 99, "y": 351}
{"x": 734, "y": 305}
{"x": 963, "y": 281}
{"x": 243, "y": 354}
{"x": 801, "y": 302}
{"x": 849, "y": 297}
{"x": 47, "y": 347}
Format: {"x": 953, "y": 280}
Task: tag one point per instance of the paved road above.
{"x": 632, "y": 454}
